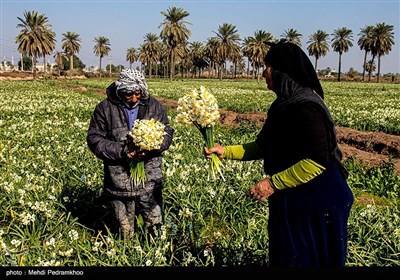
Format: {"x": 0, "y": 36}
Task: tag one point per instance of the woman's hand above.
{"x": 217, "y": 149}
{"x": 261, "y": 190}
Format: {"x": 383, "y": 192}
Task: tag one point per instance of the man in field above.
{"x": 129, "y": 99}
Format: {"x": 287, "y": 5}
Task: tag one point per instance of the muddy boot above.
{"x": 127, "y": 229}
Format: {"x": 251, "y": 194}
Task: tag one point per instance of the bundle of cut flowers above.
{"x": 147, "y": 135}
{"x": 200, "y": 108}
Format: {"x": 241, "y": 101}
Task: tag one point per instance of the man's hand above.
{"x": 261, "y": 190}
{"x": 135, "y": 153}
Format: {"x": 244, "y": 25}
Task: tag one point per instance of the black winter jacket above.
{"x": 107, "y": 139}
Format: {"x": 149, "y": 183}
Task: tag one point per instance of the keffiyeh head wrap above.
{"x": 132, "y": 80}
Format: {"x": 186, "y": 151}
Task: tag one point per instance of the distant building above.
{"x": 7, "y": 65}
{"x": 50, "y": 67}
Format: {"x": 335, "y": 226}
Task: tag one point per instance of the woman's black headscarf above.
{"x": 290, "y": 59}
{"x": 294, "y": 74}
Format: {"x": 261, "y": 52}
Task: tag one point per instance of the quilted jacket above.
{"x": 107, "y": 139}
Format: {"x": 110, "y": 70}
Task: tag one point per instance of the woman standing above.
{"x": 308, "y": 197}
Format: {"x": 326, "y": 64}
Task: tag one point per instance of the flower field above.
{"x": 52, "y": 212}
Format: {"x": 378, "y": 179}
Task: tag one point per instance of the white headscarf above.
{"x": 132, "y": 80}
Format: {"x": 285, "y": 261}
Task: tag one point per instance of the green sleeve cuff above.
{"x": 299, "y": 173}
{"x": 243, "y": 152}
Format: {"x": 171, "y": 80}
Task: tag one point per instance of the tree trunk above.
{"x": 150, "y": 70}
{"x": 71, "y": 62}
{"x": 248, "y": 67}
{"x": 364, "y": 65}
{"x": 44, "y": 64}
{"x": 315, "y": 65}
{"x": 34, "y": 67}
{"x": 22, "y": 62}
{"x": 370, "y": 68}
{"x": 379, "y": 68}
{"x": 340, "y": 65}
{"x": 171, "y": 66}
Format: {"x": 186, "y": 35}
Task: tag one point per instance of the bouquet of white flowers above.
{"x": 200, "y": 107}
{"x": 147, "y": 135}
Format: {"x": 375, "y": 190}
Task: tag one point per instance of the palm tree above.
{"x": 292, "y": 36}
{"x": 36, "y": 38}
{"x": 181, "y": 54}
{"x": 228, "y": 43}
{"x": 197, "y": 56}
{"x": 365, "y": 43}
{"x": 382, "y": 42}
{"x": 143, "y": 59}
{"x": 211, "y": 54}
{"x": 341, "y": 42}
{"x": 131, "y": 56}
{"x": 102, "y": 47}
{"x": 257, "y": 49}
{"x": 71, "y": 46}
{"x": 163, "y": 58}
{"x": 238, "y": 63}
{"x": 185, "y": 61}
{"x": 370, "y": 66}
{"x": 151, "y": 48}
{"x": 174, "y": 33}
{"x": 318, "y": 45}
{"x": 246, "y": 53}
{"x": 48, "y": 45}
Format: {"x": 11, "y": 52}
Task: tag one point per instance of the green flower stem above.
{"x": 215, "y": 164}
{"x": 138, "y": 174}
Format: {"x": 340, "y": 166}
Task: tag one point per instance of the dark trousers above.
{"x": 148, "y": 205}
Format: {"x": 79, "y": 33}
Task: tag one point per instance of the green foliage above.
{"x": 382, "y": 180}
{"x": 374, "y": 236}
{"x": 27, "y": 63}
{"x": 78, "y": 64}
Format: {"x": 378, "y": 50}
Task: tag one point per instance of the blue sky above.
{"x": 125, "y": 23}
